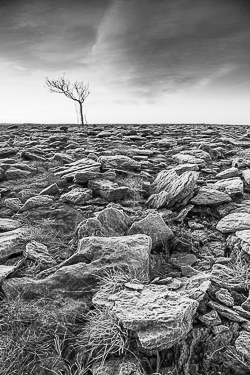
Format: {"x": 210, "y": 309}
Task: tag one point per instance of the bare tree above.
{"x": 77, "y": 91}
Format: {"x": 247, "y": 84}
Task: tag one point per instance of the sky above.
{"x": 146, "y": 61}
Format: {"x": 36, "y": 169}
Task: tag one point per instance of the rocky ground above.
{"x": 125, "y": 250}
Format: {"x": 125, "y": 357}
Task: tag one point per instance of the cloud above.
{"x": 49, "y": 35}
{"x": 165, "y": 46}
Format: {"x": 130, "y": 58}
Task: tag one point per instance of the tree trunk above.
{"x": 81, "y": 114}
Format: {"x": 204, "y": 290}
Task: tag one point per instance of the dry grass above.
{"x": 102, "y": 338}
{"x": 113, "y": 280}
{"x": 38, "y": 338}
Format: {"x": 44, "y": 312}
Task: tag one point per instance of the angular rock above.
{"x": 231, "y": 186}
{"x": 210, "y": 319}
{"x": 39, "y": 253}
{"x": 50, "y": 190}
{"x": 246, "y": 176}
{"x": 9, "y": 224}
{"x": 225, "y": 297}
{"x": 114, "y": 221}
{"x": 77, "y": 196}
{"x": 242, "y": 345}
{"x": 79, "y": 275}
{"x": 13, "y": 203}
{"x": 125, "y": 366}
{"x": 8, "y": 241}
{"x": 234, "y": 222}
{"x": 188, "y": 159}
{"x": 68, "y": 172}
{"x": 160, "y": 318}
{"x": 178, "y": 188}
{"x": 32, "y": 156}
{"x": 186, "y": 168}
{"x": 228, "y": 173}
{"x": 210, "y": 197}
{"x": 37, "y": 201}
{"x": 154, "y": 226}
{"x": 85, "y": 176}
{"x": 108, "y": 190}
{"x": 15, "y": 174}
{"x": 226, "y": 312}
{"x": 109, "y": 222}
{"x": 119, "y": 162}
{"x": 7, "y": 152}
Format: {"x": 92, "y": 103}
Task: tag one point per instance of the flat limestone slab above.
{"x": 159, "y": 317}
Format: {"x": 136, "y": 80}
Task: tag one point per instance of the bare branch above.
{"x": 77, "y": 91}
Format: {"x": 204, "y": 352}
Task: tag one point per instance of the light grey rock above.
{"x": 14, "y": 174}
{"x": 159, "y": 317}
{"x": 6, "y": 271}
{"x": 188, "y": 159}
{"x": 210, "y": 197}
{"x": 246, "y": 176}
{"x": 234, "y": 222}
{"x": 198, "y": 153}
{"x": 114, "y": 221}
{"x": 109, "y": 222}
{"x": 224, "y": 296}
{"x": 63, "y": 158}
{"x": 52, "y": 189}
{"x": 119, "y": 162}
{"x": 8, "y": 241}
{"x": 242, "y": 345}
{"x": 39, "y": 253}
{"x": 167, "y": 142}
{"x": 183, "y": 259}
{"x": 77, "y": 196}
{"x": 69, "y": 171}
{"x": 108, "y": 190}
{"x": 154, "y": 226}
{"x": 210, "y": 319}
{"x": 178, "y": 188}
{"x": 13, "y": 203}
{"x": 231, "y": 186}
{"x": 181, "y": 168}
{"x": 79, "y": 275}
{"x": 246, "y": 305}
{"x": 226, "y": 312}
{"x": 2, "y": 174}
{"x": 37, "y": 201}
{"x": 9, "y": 224}
{"x": 84, "y": 176}
{"x": 127, "y": 366}
{"x": 228, "y": 173}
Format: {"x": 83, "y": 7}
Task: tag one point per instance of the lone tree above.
{"x": 77, "y": 91}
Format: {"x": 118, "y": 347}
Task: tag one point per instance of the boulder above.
{"x": 246, "y": 176}
{"x": 8, "y": 242}
{"x": 77, "y": 196}
{"x": 108, "y": 190}
{"x": 160, "y": 318}
{"x": 78, "y": 276}
{"x": 242, "y": 345}
{"x": 39, "y": 253}
{"x": 9, "y": 224}
{"x": 179, "y": 189}
{"x": 37, "y": 201}
{"x": 153, "y": 226}
{"x": 210, "y": 197}
{"x": 234, "y": 222}
{"x": 121, "y": 162}
{"x": 14, "y": 173}
{"x": 228, "y": 173}
{"x": 231, "y": 186}
{"x": 184, "y": 159}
